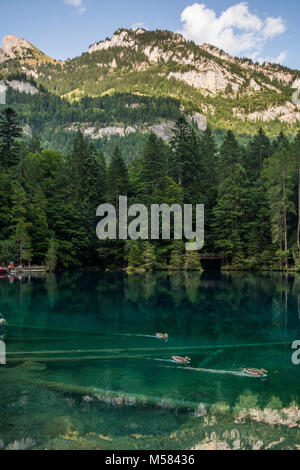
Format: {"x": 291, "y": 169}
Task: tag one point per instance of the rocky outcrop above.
{"x": 286, "y": 113}
{"x": 17, "y": 85}
{"x": 254, "y": 85}
{"x": 164, "y": 130}
{"x": 99, "y": 133}
{"x": 155, "y": 54}
{"x": 3, "y": 56}
{"x": 199, "y": 120}
{"x": 211, "y": 80}
{"x": 20, "y": 49}
{"x": 14, "y": 47}
{"x": 296, "y": 83}
{"x": 119, "y": 39}
{"x": 129, "y": 38}
{"x": 218, "y": 53}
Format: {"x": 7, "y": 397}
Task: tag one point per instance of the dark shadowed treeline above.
{"x": 251, "y": 194}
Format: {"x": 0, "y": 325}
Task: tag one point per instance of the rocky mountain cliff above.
{"x": 136, "y": 67}
{"x": 21, "y": 50}
{"x": 205, "y": 67}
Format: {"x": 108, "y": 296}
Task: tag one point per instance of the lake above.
{"x": 85, "y": 371}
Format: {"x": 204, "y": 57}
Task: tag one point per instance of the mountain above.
{"x": 21, "y": 50}
{"x": 139, "y": 80}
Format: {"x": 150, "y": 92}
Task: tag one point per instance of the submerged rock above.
{"x": 289, "y": 417}
{"x": 200, "y": 411}
{"x": 23, "y": 444}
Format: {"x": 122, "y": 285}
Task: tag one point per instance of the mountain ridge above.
{"x": 138, "y": 79}
{"x": 16, "y": 48}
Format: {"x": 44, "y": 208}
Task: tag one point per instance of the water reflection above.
{"x": 237, "y": 304}
{"x": 82, "y": 348}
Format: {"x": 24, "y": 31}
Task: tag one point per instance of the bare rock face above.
{"x": 2, "y": 56}
{"x": 164, "y": 130}
{"x": 22, "y": 87}
{"x": 200, "y": 121}
{"x": 118, "y": 40}
{"x": 211, "y": 80}
{"x": 14, "y": 47}
{"x": 296, "y": 83}
{"x": 286, "y": 113}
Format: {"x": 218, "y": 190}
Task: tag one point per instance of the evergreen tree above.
{"x": 35, "y": 145}
{"x": 135, "y": 254}
{"x": 51, "y": 256}
{"x": 149, "y": 256}
{"x": 6, "y": 216}
{"x": 209, "y": 182}
{"x": 22, "y": 242}
{"x": 77, "y": 166}
{"x": 38, "y": 226}
{"x": 231, "y": 215}
{"x": 118, "y": 184}
{"x": 177, "y": 257}
{"x": 185, "y": 163}
{"x": 296, "y": 157}
{"x": 19, "y": 203}
{"x": 259, "y": 149}
{"x": 192, "y": 261}
{"x": 230, "y": 155}
{"x": 10, "y": 131}
{"x": 278, "y": 173}
{"x": 154, "y": 169}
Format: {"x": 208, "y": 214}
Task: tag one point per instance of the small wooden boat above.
{"x": 162, "y": 335}
{"x": 181, "y": 360}
{"x": 255, "y": 372}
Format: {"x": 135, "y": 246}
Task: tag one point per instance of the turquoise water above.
{"x": 84, "y": 370}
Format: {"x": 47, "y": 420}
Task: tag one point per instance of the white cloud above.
{"x": 78, "y": 4}
{"x": 274, "y": 60}
{"x": 273, "y": 27}
{"x": 236, "y": 30}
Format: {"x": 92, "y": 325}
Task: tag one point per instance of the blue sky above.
{"x": 262, "y": 29}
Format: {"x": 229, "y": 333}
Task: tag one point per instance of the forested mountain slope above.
{"x": 141, "y": 80}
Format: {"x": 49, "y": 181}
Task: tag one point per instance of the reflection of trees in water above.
{"x": 192, "y": 284}
{"x": 296, "y": 294}
{"x": 177, "y": 287}
{"x": 190, "y": 302}
{"x": 51, "y": 288}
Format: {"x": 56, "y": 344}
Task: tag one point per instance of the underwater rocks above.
{"x": 88, "y": 399}
{"x": 112, "y": 398}
{"x": 236, "y": 439}
{"x": 289, "y": 417}
{"x": 200, "y": 411}
{"x": 23, "y": 444}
